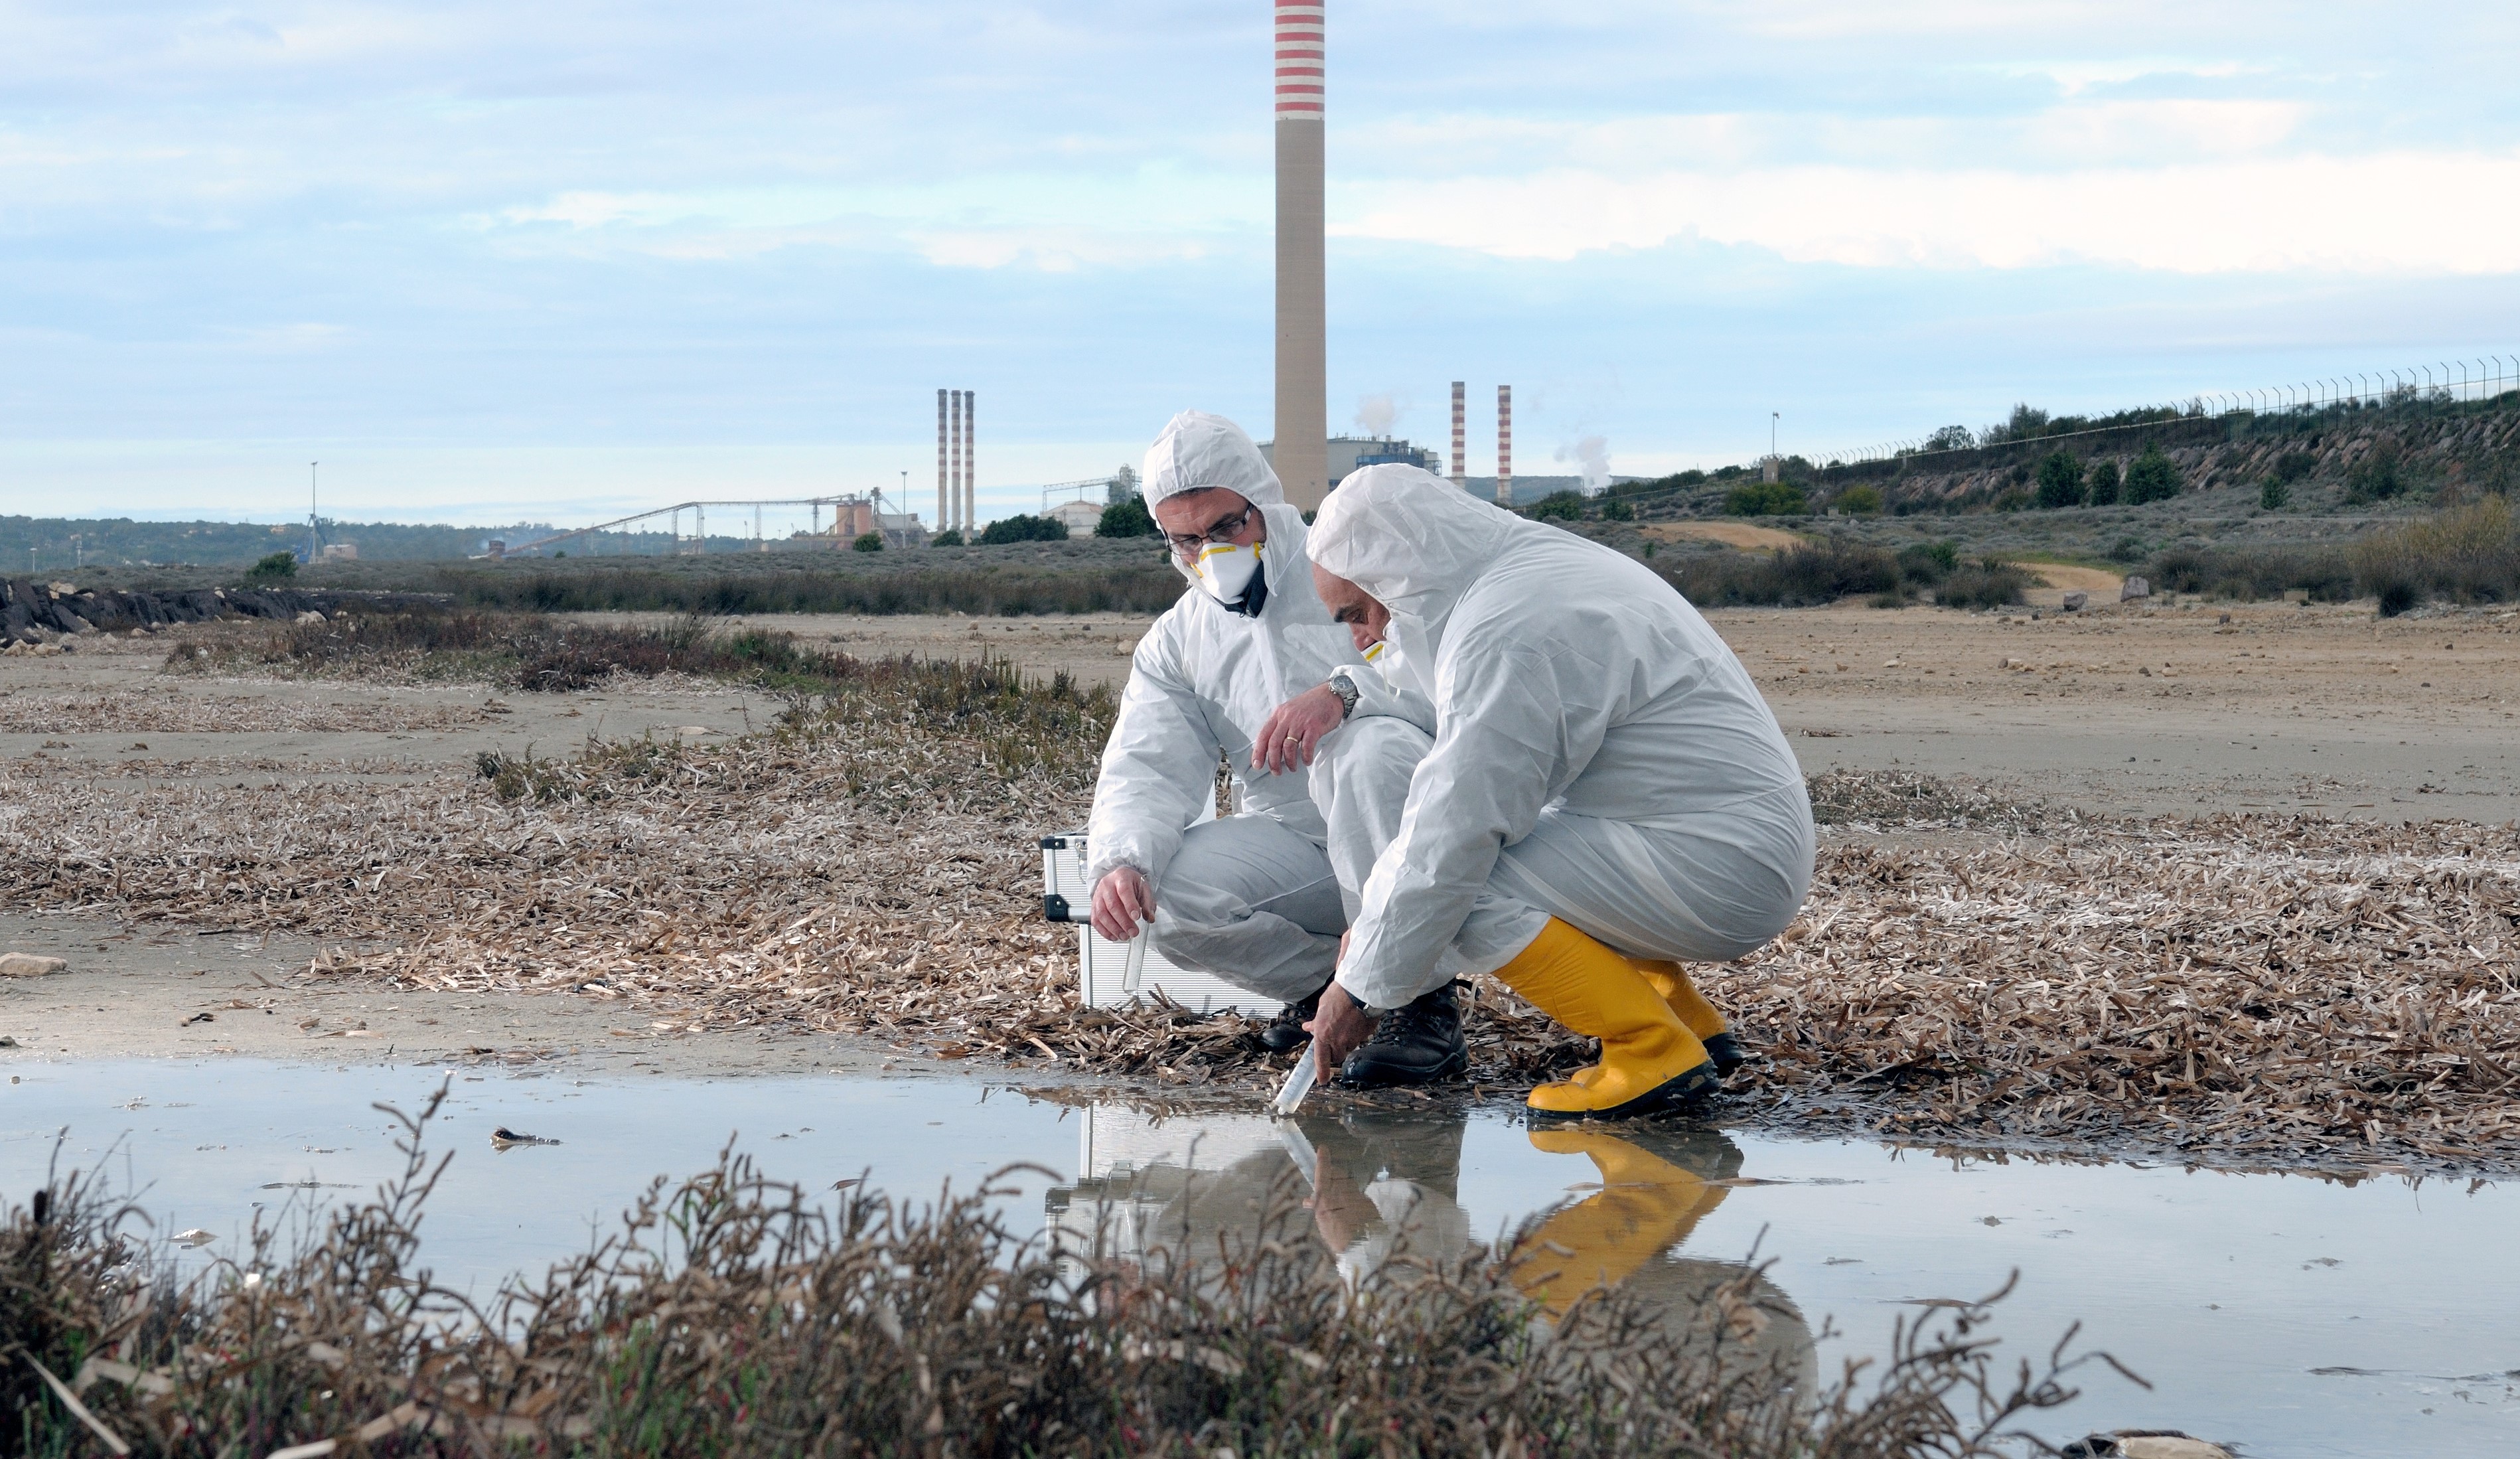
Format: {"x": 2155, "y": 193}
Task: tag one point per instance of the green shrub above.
{"x": 868, "y": 542}
{"x": 1928, "y": 563}
{"x": 2104, "y": 491}
{"x": 950, "y": 537}
{"x": 1858, "y": 501}
{"x": 2374, "y": 477}
{"x": 2254, "y": 572}
{"x": 2060, "y": 481}
{"x": 2151, "y": 477}
{"x": 1557, "y": 506}
{"x": 1728, "y": 474}
{"x": 2274, "y": 495}
{"x": 1126, "y": 519}
{"x": 1615, "y": 510}
{"x": 1765, "y": 499}
{"x": 1800, "y": 577}
{"x": 2013, "y": 501}
{"x": 1989, "y": 582}
{"x": 2292, "y": 466}
{"x": 279, "y": 566}
{"x": 1023, "y": 528}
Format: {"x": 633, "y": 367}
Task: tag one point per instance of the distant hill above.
{"x": 60, "y": 543}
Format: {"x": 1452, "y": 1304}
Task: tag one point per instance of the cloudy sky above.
{"x": 491, "y": 260}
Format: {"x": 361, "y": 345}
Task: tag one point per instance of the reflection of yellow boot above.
{"x": 1650, "y": 1062}
{"x": 1645, "y": 1205}
{"x": 1671, "y": 980}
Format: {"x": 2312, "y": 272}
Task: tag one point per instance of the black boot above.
{"x": 1413, "y": 1044}
{"x": 1287, "y": 1031}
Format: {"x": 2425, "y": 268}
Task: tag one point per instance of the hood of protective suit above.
{"x": 1415, "y": 542}
{"x": 1197, "y": 451}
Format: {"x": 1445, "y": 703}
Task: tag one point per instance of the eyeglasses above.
{"x": 1186, "y": 545}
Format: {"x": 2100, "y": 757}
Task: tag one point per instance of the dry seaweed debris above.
{"x": 2250, "y": 989}
{"x": 735, "y": 1316}
{"x": 170, "y": 711}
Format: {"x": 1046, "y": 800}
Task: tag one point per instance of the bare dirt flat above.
{"x": 1741, "y": 534}
{"x": 2118, "y": 709}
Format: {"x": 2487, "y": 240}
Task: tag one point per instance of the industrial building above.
{"x": 1345, "y": 453}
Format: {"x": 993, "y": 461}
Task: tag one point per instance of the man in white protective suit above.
{"x": 1249, "y": 666}
{"x": 1605, "y": 796}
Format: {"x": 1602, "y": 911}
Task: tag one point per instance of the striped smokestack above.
{"x": 1461, "y": 432}
{"x": 1505, "y": 445}
{"x": 944, "y": 509}
{"x": 1301, "y": 453}
{"x": 958, "y": 464}
{"x": 971, "y": 457}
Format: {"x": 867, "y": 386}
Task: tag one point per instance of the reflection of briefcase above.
{"x": 1102, "y": 965}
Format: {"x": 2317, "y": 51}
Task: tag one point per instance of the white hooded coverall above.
{"x": 1599, "y": 753}
{"x": 1255, "y": 898}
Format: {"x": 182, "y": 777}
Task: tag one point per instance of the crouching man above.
{"x": 1605, "y": 796}
{"x": 1255, "y": 897}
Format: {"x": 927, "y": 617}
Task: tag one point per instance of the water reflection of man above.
{"x": 1385, "y": 1189}
{"x": 1656, "y": 1184}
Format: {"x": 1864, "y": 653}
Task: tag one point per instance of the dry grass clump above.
{"x": 1868, "y": 798}
{"x": 2253, "y": 989}
{"x": 734, "y": 1316}
{"x": 162, "y": 712}
{"x": 523, "y": 651}
{"x": 2468, "y": 555}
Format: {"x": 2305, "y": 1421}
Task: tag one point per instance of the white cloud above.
{"x": 2414, "y": 212}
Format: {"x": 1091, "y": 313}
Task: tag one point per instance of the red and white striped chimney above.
{"x": 944, "y": 508}
{"x": 1301, "y": 54}
{"x": 1505, "y": 445}
{"x": 1461, "y": 432}
{"x": 970, "y": 458}
{"x": 1301, "y": 453}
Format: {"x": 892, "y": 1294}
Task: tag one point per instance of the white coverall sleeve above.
{"x": 1158, "y": 764}
{"x": 1516, "y": 724}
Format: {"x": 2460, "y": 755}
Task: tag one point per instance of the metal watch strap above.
{"x": 1346, "y": 688}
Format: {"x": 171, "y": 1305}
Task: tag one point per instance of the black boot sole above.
{"x": 1680, "y": 1095}
{"x": 1300, "y": 1040}
{"x": 1727, "y": 1051}
{"x": 1384, "y": 1076}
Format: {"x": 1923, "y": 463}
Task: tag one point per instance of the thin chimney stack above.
{"x": 1460, "y": 433}
{"x": 944, "y": 506}
{"x": 971, "y": 461}
{"x": 1301, "y": 454}
{"x": 1505, "y": 445}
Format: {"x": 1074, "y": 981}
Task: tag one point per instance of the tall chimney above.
{"x": 1301, "y": 454}
{"x": 1461, "y": 432}
{"x": 1505, "y": 445}
{"x": 944, "y": 510}
{"x": 958, "y": 465}
{"x": 971, "y": 460}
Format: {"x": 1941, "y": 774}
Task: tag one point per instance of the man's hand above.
{"x": 1122, "y": 899}
{"x": 1338, "y": 1028}
{"x": 1295, "y": 729}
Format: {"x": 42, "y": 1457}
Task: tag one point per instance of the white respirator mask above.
{"x": 1225, "y": 570}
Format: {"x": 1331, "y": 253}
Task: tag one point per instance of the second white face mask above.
{"x": 1226, "y": 570}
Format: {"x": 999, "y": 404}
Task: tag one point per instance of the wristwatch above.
{"x": 1346, "y": 688}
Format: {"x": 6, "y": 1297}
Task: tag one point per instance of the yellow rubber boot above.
{"x": 1650, "y": 1062}
{"x": 1645, "y": 1207}
{"x": 1671, "y": 980}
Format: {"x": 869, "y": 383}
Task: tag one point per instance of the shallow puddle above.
{"x": 2289, "y": 1315}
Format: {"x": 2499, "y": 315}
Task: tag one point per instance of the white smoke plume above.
{"x": 1375, "y": 414}
{"x": 1594, "y": 451}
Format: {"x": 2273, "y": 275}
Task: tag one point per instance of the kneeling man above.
{"x": 1258, "y": 897}
{"x": 1606, "y": 795}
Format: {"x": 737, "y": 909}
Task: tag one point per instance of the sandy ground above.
{"x": 2120, "y": 710}
{"x": 1730, "y": 533}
